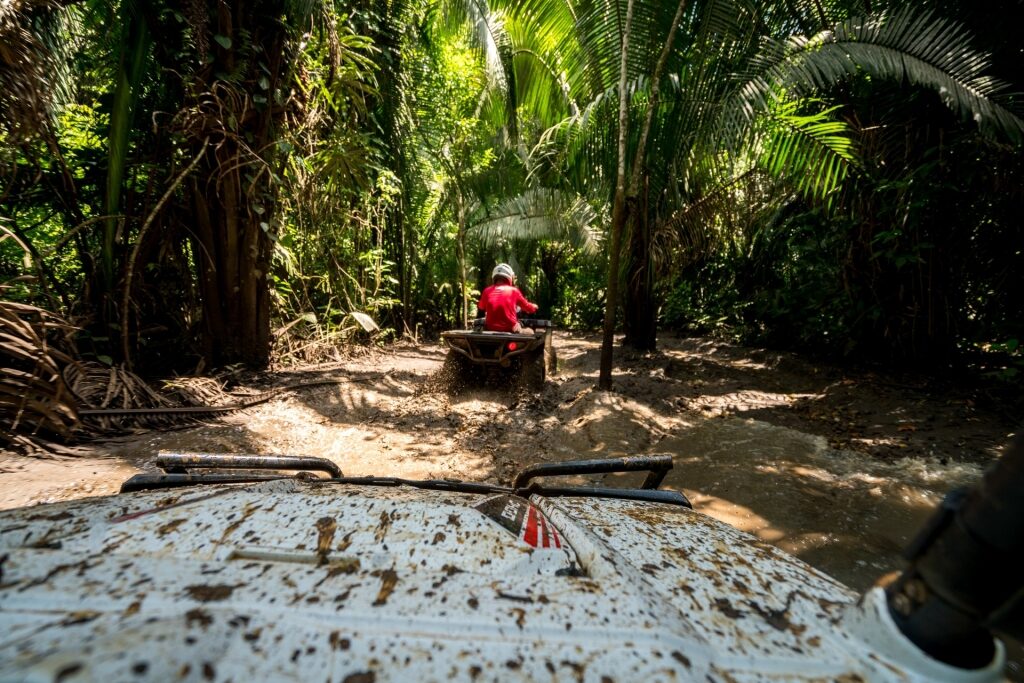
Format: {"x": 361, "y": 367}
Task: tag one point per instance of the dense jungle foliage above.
{"x": 197, "y": 184}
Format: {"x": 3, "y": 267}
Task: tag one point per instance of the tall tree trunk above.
{"x": 214, "y": 324}
{"x": 233, "y": 281}
{"x": 461, "y": 255}
{"x": 234, "y": 196}
{"x": 640, "y": 319}
{"x": 620, "y": 207}
{"x": 640, "y": 308}
{"x": 604, "y": 381}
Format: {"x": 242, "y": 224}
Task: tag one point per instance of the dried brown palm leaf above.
{"x": 101, "y": 387}
{"x": 199, "y": 391}
{"x": 26, "y": 74}
{"x": 35, "y": 401}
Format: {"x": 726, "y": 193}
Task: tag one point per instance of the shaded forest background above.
{"x": 187, "y": 186}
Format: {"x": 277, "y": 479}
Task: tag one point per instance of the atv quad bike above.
{"x": 226, "y": 568}
{"x": 528, "y": 355}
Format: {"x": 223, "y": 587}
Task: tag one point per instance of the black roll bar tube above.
{"x": 657, "y": 465}
{"x": 181, "y": 463}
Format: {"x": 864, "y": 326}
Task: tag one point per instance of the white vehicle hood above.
{"x": 295, "y": 580}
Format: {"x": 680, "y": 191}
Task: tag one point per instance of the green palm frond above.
{"x": 811, "y": 150}
{"x": 907, "y": 45}
{"x": 490, "y": 38}
{"x": 575, "y": 45}
{"x": 543, "y": 87}
{"x": 726, "y": 20}
{"x": 704, "y": 222}
{"x": 583, "y": 147}
{"x": 542, "y": 213}
{"x": 537, "y": 35}
{"x": 807, "y": 17}
{"x": 691, "y": 229}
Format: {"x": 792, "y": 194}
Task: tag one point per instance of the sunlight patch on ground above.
{"x": 739, "y": 363}
{"x": 596, "y": 424}
{"x": 45, "y": 481}
{"x": 745, "y": 364}
{"x": 743, "y": 401}
{"x": 916, "y": 471}
{"x": 371, "y": 444}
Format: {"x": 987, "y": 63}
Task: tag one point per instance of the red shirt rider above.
{"x": 498, "y": 302}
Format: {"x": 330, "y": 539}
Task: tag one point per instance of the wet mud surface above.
{"x": 836, "y": 467}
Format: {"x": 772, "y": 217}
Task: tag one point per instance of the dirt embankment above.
{"x": 836, "y": 467}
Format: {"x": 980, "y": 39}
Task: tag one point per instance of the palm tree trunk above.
{"x": 620, "y": 206}
{"x": 137, "y": 41}
{"x": 640, "y": 319}
{"x": 461, "y": 254}
{"x": 234, "y": 259}
{"x": 214, "y": 326}
{"x": 604, "y": 381}
{"x": 640, "y": 307}
{"x": 234, "y": 242}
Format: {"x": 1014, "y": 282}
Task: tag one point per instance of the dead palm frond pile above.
{"x": 35, "y": 401}
{"x": 28, "y": 77}
{"x": 113, "y": 387}
{"x": 307, "y": 340}
{"x": 44, "y": 389}
{"x": 198, "y": 391}
{"x": 102, "y": 387}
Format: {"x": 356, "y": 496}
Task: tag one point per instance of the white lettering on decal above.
{"x": 511, "y": 509}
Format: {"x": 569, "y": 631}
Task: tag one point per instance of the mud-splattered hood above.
{"x": 301, "y": 581}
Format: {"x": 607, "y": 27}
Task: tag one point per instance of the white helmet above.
{"x": 504, "y": 270}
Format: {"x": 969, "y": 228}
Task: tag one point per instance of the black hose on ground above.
{"x": 966, "y": 571}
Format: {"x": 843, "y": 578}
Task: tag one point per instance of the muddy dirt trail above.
{"x": 837, "y": 468}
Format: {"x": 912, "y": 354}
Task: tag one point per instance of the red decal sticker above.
{"x": 537, "y": 532}
{"x": 530, "y": 536}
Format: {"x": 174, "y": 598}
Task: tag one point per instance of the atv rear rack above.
{"x": 487, "y": 347}
{"x": 179, "y": 470}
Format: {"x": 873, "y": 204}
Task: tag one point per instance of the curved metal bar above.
{"x": 145, "y": 482}
{"x": 657, "y": 465}
{"x": 645, "y": 495}
{"x": 180, "y": 463}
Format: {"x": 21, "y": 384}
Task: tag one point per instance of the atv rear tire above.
{"x": 532, "y": 372}
{"x": 456, "y": 372}
{"x": 550, "y": 358}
